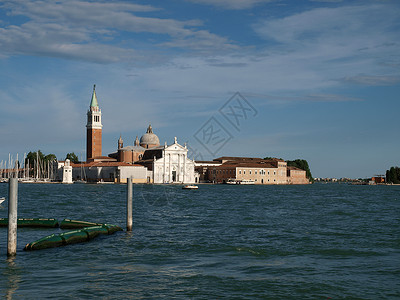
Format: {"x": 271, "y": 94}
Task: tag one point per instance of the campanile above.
{"x": 93, "y": 127}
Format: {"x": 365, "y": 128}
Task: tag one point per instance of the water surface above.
{"x": 221, "y": 241}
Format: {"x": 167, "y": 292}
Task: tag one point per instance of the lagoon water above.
{"x": 235, "y": 242}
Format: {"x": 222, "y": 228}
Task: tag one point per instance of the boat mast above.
{"x": 37, "y": 165}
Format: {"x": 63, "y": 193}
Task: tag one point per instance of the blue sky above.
{"x": 321, "y": 79}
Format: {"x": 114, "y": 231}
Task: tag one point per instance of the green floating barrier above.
{"x": 112, "y": 228}
{"x": 72, "y": 237}
{"x": 50, "y": 241}
{"x": 71, "y": 224}
{"x": 34, "y": 222}
{"x": 75, "y": 236}
{"x": 95, "y": 231}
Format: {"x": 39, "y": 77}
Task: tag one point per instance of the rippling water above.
{"x": 272, "y": 242}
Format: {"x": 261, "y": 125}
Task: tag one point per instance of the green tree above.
{"x": 43, "y": 166}
{"x": 393, "y": 175}
{"x": 72, "y": 157}
{"x": 32, "y": 157}
{"x": 50, "y": 157}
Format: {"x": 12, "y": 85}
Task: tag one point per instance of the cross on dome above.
{"x": 149, "y": 129}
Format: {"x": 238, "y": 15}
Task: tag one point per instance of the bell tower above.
{"x": 93, "y": 127}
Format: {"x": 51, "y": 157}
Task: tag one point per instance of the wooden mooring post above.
{"x": 129, "y": 206}
{"x": 12, "y": 217}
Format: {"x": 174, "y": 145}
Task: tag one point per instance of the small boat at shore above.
{"x": 240, "y": 181}
{"x": 2, "y": 199}
{"x": 190, "y": 187}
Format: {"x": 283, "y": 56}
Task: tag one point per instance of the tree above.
{"x": 72, "y": 157}
{"x": 39, "y": 163}
{"x": 32, "y": 158}
{"x": 50, "y": 157}
{"x": 393, "y": 175}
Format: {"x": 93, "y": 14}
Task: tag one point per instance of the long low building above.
{"x": 116, "y": 172}
{"x": 253, "y": 170}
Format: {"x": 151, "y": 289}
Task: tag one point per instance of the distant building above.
{"x": 145, "y": 162}
{"x": 148, "y": 162}
{"x": 170, "y": 164}
{"x": 132, "y": 154}
{"x": 67, "y": 172}
{"x": 296, "y": 176}
{"x": 378, "y": 179}
{"x": 257, "y": 170}
{"x": 93, "y": 129}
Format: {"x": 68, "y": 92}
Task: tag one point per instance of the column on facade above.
{"x": 184, "y": 167}
{"x": 169, "y": 167}
{"x": 179, "y": 167}
{"x": 165, "y": 167}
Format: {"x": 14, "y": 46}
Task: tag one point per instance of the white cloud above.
{"x": 372, "y": 80}
{"x": 83, "y": 30}
{"x": 338, "y": 43}
{"x": 232, "y": 4}
{"x": 56, "y": 41}
{"x": 328, "y": 1}
{"x": 358, "y": 27}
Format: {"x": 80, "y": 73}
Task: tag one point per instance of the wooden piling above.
{"x": 129, "y": 217}
{"x": 12, "y": 217}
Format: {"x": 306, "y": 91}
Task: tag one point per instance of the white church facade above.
{"x": 170, "y": 164}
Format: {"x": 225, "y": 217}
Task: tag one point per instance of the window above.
{"x": 250, "y": 172}
{"x": 255, "y": 172}
{"x": 244, "y": 172}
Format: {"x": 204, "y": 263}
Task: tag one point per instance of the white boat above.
{"x": 240, "y": 181}
{"x": 246, "y": 181}
{"x": 2, "y": 199}
{"x": 190, "y": 187}
{"x": 233, "y": 181}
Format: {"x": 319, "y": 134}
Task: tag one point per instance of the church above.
{"x": 145, "y": 162}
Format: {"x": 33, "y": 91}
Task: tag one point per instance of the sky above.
{"x": 313, "y": 79}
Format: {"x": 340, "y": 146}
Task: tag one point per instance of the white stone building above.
{"x": 67, "y": 172}
{"x": 170, "y": 164}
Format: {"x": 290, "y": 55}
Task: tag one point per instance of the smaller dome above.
{"x": 149, "y": 139}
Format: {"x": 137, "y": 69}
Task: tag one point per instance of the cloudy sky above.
{"x": 318, "y": 80}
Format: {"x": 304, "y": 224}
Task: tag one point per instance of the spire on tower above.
{"x": 93, "y": 102}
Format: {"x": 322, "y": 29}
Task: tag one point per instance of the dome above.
{"x": 149, "y": 139}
